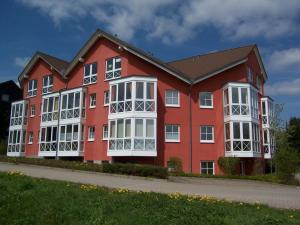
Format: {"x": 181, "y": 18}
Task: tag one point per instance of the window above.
{"x": 48, "y": 138}
{"x": 172, "y": 98}
{"x": 50, "y": 108}
{"x": 207, "y": 134}
{"x": 92, "y": 100}
{"x": 250, "y": 75}
{"x": 5, "y": 98}
{"x": 32, "y": 88}
{"x": 30, "y": 138}
{"x": 113, "y": 68}
{"x": 241, "y": 136}
{"x": 206, "y": 100}
{"x": 105, "y": 132}
{"x": 47, "y": 84}
{"x": 32, "y": 110}
{"x": 69, "y": 137}
{"x": 106, "y": 98}
{"x": 240, "y": 103}
{"x": 207, "y": 167}
{"x": 258, "y": 83}
{"x": 172, "y": 133}
{"x": 70, "y": 105}
{"x": 90, "y": 73}
{"x": 91, "y": 135}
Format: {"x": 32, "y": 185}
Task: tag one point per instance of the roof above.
{"x": 200, "y": 66}
{"x": 190, "y": 70}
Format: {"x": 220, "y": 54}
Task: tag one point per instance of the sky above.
{"x": 169, "y": 29}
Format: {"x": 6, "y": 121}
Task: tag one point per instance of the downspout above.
{"x": 190, "y": 126}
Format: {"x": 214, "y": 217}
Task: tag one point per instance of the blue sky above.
{"x": 170, "y": 29}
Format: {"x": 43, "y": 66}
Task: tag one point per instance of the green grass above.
{"x": 25, "y": 200}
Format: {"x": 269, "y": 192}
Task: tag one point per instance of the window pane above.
{"x": 45, "y": 81}
{"x": 226, "y": 98}
{"x": 70, "y": 100}
{"x": 227, "y": 130}
{"x": 139, "y": 128}
{"x": 94, "y": 68}
{"x": 86, "y": 70}
{"x": 45, "y": 104}
{"x": 244, "y": 93}
{"x": 150, "y": 90}
{"x": 117, "y": 63}
{"x": 112, "y": 129}
{"x": 246, "y": 131}
{"x": 128, "y": 90}
{"x": 149, "y": 128}
{"x": 236, "y": 130}
{"x": 168, "y": 128}
{"x": 56, "y": 104}
{"x": 43, "y": 134}
{"x": 139, "y": 89}
{"x": 48, "y": 137}
{"x": 109, "y": 64}
{"x": 121, "y": 92}
{"x": 235, "y": 95}
{"x": 62, "y": 133}
{"x": 50, "y": 107}
{"x": 120, "y": 128}
{"x": 113, "y": 93}
{"x": 75, "y": 132}
{"x": 128, "y": 128}
{"x": 54, "y": 134}
{"x": 77, "y": 99}
{"x": 64, "y": 102}
{"x": 69, "y": 133}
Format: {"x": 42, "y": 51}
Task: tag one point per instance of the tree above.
{"x": 293, "y": 134}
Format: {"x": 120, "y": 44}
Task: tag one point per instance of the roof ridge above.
{"x": 211, "y": 53}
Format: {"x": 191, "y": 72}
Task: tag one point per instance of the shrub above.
{"x": 3, "y": 147}
{"x": 228, "y": 164}
{"x": 258, "y": 167}
{"x": 136, "y": 170}
{"x": 286, "y": 161}
{"x": 175, "y": 165}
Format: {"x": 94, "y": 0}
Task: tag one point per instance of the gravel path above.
{"x": 275, "y": 195}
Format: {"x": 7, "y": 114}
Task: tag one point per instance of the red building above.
{"x": 116, "y": 103}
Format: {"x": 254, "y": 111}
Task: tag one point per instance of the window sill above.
{"x": 106, "y": 105}
{"x": 91, "y": 140}
{"x": 172, "y": 106}
{"x": 207, "y": 142}
{"x": 206, "y": 107}
{"x": 32, "y": 116}
{"x": 105, "y": 139}
{"x": 92, "y": 107}
{"x": 30, "y": 143}
{"x": 172, "y": 141}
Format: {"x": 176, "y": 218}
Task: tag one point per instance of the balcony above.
{"x": 50, "y": 109}
{"x": 18, "y": 115}
{"x": 16, "y": 142}
{"x": 132, "y": 117}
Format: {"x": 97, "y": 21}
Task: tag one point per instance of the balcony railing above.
{"x": 141, "y": 144}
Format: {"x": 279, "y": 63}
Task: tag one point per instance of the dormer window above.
{"x": 113, "y": 68}
{"x": 90, "y": 73}
{"x": 32, "y": 88}
{"x": 47, "y": 84}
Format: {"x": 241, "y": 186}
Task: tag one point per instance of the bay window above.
{"x": 18, "y": 114}
{"x": 47, "y": 84}
{"x": 69, "y": 137}
{"x": 113, "y": 68}
{"x": 16, "y": 142}
{"x": 90, "y": 73}
{"x": 48, "y": 139}
{"x": 71, "y": 105}
{"x": 50, "y": 108}
{"x": 32, "y": 88}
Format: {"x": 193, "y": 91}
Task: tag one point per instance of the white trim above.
{"x": 178, "y": 96}
{"x": 220, "y": 71}
{"x": 213, "y": 135}
{"x": 172, "y": 140}
{"x": 202, "y": 161}
{"x": 206, "y": 106}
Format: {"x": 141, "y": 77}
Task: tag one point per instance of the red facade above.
{"x": 188, "y": 116}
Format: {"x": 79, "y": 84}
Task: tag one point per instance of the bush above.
{"x": 175, "y": 165}
{"x": 228, "y": 164}
{"x": 286, "y": 162}
{"x": 136, "y": 170}
{"x": 3, "y": 147}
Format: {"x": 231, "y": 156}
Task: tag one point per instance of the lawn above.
{"x": 25, "y": 200}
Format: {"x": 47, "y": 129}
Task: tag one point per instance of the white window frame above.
{"x": 32, "y": 88}
{"x": 105, "y": 133}
{"x": 93, "y": 100}
{"x": 48, "y": 88}
{"x": 30, "y": 138}
{"x": 105, "y": 98}
{"x": 50, "y": 113}
{"x": 211, "y": 99}
{"x": 173, "y": 97}
{"x": 213, "y": 134}
{"x": 32, "y": 111}
{"x": 91, "y": 78}
{"x": 116, "y": 73}
{"x": 91, "y": 133}
{"x": 207, "y": 168}
{"x": 172, "y": 140}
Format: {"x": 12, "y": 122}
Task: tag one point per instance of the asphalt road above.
{"x": 274, "y": 195}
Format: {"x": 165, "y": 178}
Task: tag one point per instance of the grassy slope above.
{"x": 25, "y": 200}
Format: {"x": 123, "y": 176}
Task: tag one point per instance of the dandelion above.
{"x": 15, "y": 173}
{"x": 291, "y": 216}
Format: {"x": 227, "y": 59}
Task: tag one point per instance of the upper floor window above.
{"x": 172, "y": 98}
{"x": 32, "y": 88}
{"x": 172, "y": 133}
{"x": 207, "y": 167}
{"x": 91, "y": 134}
{"x": 47, "y": 84}
{"x": 71, "y": 105}
{"x": 113, "y": 68}
{"x": 50, "y": 108}
{"x": 105, "y": 132}
{"x": 106, "y": 98}
{"x": 206, "y": 100}
{"x": 32, "y": 110}
{"x": 250, "y": 75}
{"x": 207, "y": 134}
{"x": 90, "y": 73}
{"x": 93, "y": 99}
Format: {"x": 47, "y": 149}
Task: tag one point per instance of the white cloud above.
{"x": 284, "y": 59}
{"x": 21, "y": 61}
{"x": 288, "y": 88}
{"x": 175, "y": 20}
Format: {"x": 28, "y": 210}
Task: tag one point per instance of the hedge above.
{"x": 118, "y": 168}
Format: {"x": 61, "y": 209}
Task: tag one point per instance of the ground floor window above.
{"x": 105, "y": 132}
{"x": 172, "y": 133}
{"x": 69, "y": 137}
{"x": 207, "y": 167}
{"x": 48, "y": 139}
{"x": 91, "y": 134}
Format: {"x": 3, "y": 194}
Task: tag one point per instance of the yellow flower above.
{"x": 15, "y": 173}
